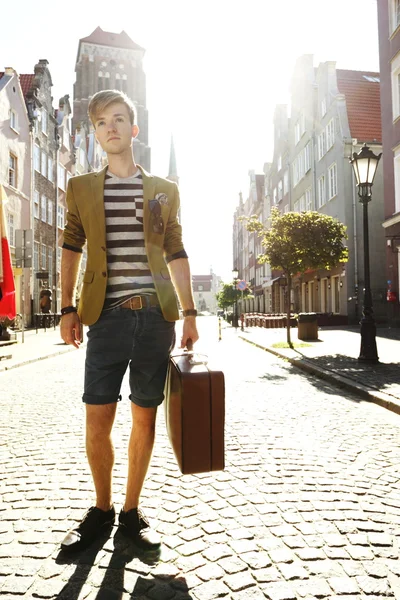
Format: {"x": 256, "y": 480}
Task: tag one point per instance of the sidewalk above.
{"x": 36, "y": 346}
{"x": 334, "y": 357}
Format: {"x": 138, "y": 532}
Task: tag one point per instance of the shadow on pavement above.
{"x": 318, "y": 383}
{"x": 379, "y": 376}
{"x": 121, "y": 574}
{"x": 83, "y": 562}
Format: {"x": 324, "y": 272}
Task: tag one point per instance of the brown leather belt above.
{"x": 139, "y": 302}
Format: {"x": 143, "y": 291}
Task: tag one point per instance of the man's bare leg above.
{"x": 139, "y": 454}
{"x": 100, "y": 450}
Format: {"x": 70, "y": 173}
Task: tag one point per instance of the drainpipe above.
{"x": 353, "y": 181}
{"x": 55, "y": 257}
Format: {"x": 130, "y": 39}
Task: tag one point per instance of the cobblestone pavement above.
{"x": 308, "y": 506}
{"x": 336, "y": 352}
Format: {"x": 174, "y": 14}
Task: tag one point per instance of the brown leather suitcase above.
{"x": 195, "y": 413}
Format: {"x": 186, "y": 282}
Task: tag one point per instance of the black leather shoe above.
{"x": 93, "y": 524}
{"x": 134, "y": 525}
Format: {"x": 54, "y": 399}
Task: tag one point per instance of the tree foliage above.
{"x": 229, "y": 295}
{"x": 297, "y": 242}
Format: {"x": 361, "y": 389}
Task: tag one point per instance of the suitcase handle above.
{"x": 196, "y": 359}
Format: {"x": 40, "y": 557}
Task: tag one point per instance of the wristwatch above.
{"x": 190, "y": 312}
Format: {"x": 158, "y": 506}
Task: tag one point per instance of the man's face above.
{"x": 113, "y": 129}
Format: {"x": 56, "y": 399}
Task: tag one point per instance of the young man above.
{"x": 134, "y": 249}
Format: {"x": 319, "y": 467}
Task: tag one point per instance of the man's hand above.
{"x": 71, "y": 329}
{"x": 189, "y": 331}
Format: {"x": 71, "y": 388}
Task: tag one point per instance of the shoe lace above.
{"x": 143, "y": 521}
{"x": 90, "y": 518}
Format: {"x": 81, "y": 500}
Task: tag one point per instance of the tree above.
{"x": 229, "y": 295}
{"x": 297, "y": 242}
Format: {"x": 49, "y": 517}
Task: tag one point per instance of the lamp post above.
{"x": 365, "y": 164}
{"x": 235, "y": 274}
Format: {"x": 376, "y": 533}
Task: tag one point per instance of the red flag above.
{"x": 7, "y": 284}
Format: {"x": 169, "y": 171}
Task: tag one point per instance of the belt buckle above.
{"x": 135, "y": 303}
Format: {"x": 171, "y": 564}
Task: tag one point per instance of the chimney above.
{"x": 9, "y": 71}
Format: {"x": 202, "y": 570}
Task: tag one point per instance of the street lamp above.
{"x": 365, "y": 164}
{"x": 235, "y": 275}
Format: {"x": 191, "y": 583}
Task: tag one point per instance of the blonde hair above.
{"x": 102, "y": 99}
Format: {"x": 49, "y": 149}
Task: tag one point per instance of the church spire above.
{"x": 173, "y": 171}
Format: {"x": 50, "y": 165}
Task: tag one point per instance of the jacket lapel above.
{"x": 149, "y": 188}
{"x": 98, "y": 201}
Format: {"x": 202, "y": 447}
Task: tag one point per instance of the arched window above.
{"x": 100, "y": 80}
{"x": 124, "y": 82}
{"x": 118, "y": 81}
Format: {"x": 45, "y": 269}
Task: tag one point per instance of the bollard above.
{"x": 219, "y": 329}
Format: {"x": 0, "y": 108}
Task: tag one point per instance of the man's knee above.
{"x": 144, "y": 418}
{"x": 100, "y": 418}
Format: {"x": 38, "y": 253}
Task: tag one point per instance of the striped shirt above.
{"x": 128, "y": 268}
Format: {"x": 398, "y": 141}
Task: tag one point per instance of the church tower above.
{"x": 112, "y": 61}
{"x": 173, "y": 171}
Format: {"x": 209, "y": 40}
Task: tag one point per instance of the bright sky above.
{"x": 215, "y": 70}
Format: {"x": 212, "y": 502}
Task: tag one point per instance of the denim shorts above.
{"x": 142, "y": 339}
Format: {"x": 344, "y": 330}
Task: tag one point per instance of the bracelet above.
{"x": 68, "y": 309}
{"x": 190, "y": 312}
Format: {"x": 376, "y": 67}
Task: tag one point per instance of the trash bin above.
{"x": 307, "y": 326}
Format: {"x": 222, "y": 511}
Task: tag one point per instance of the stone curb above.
{"x": 6, "y": 367}
{"x": 375, "y": 396}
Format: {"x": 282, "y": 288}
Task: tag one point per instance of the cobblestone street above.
{"x": 308, "y": 506}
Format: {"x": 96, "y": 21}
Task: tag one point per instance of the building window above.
{"x": 10, "y": 222}
{"x": 280, "y": 190}
{"x": 50, "y": 264}
{"x": 44, "y": 121}
{"x": 61, "y": 177}
{"x": 200, "y": 289}
{"x": 302, "y": 124}
{"x": 59, "y": 252}
{"x": 275, "y": 196}
{"x": 285, "y": 182}
{"x": 321, "y": 191}
{"x": 302, "y": 203}
{"x": 297, "y": 134}
{"x": 36, "y": 204}
{"x": 60, "y": 217}
{"x": 397, "y": 181}
{"x": 50, "y": 212}
{"x": 332, "y": 181}
{"x": 308, "y": 195}
{"x": 307, "y": 157}
{"x": 36, "y": 158}
{"x": 124, "y": 82}
{"x": 12, "y": 170}
{"x": 36, "y": 256}
{"x": 394, "y": 14}
{"x": 296, "y": 206}
{"x": 43, "y": 211}
{"x": 395, "y": 71}
{"x": 14, "y": 120}
{"x": 44, "y": 164}
{"x": 330, "y": 134}
{"x": 321, "y": 144}
{"x": 50, "y": 166}
{"x": 43, "y": 257}
{"x": 279, "y": 162}
{"x": 323, "y": 107}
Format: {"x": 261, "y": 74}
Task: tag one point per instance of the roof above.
{"x": 26, "y": 82}
{"x": 107, "y": 38}
{"x": 362, "y": 92}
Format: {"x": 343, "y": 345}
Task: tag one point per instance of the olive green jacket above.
{"x": 85, "y": 222}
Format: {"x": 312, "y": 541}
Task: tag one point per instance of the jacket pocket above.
{"x": 88, "y": 277}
